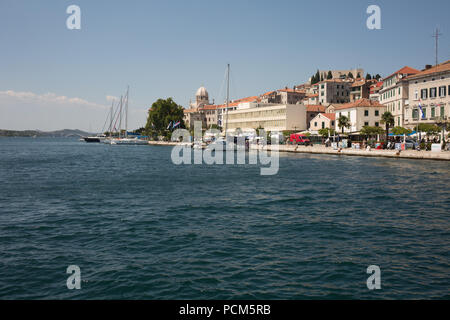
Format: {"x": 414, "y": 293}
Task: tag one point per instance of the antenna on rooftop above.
{"x": 436, "y": 36}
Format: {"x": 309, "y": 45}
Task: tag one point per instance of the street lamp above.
{"x": 443, "y": 123}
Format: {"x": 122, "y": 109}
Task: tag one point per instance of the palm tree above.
{"x": 343, "y": 122}
{"x": 388, "y": 119}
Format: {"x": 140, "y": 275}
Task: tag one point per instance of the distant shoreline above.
{"x": 37, "y": 133}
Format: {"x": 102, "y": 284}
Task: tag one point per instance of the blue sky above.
{"x": 170, "y": 48}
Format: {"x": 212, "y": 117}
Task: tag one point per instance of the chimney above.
{"x": 428, "y": 66}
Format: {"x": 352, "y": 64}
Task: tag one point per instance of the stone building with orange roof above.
{"x": 334, "y": 91}
{"x": 395, "y": 93}
{"x": 431, "y": 88}
{"x": 322, "y": 121}
{"x": 284, "y": 96}
{"x": 363, "y": 112}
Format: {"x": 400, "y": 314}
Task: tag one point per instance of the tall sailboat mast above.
{"x": 126, "y": 113}
{"x": 228, "y": 98}
{"x": 120, "y": 117}
{"x": 111, "y": 119}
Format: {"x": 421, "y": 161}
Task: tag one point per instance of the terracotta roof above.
{"x": 404, "y": 70}
{"x": 209, "y": 107}
{"x": 358, "y": 83}
{"x": 445, "y": 66}
{"x": 190, "y": 110}
{"x": 361, "y": 103}
{"x": 234, "y": 103}
{"x": 268, "y": 93}
{"x": 316, "y": 108}
{"x": 248, "y": 99}
{"x": 290, "y": 90}
{"x": 331, "y": 116}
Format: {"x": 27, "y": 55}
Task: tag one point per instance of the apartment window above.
{"x": 399, "y": 106}
{"x": 442, "y": 112}
{"x": 424, "y": 112}
{"x": 315, "y": 124}
{"x": 366, "y": 123}
{"x": 415, "y": 114}
{"x": 398, "y": 121}
{"x": 332, "y": 123}
{"x": 433, "y": 112}
{"x": 399, "y": 91}
{"x": 377, "y": 113}
{"x": 322, "y": 86}
{"x": 442, "y": 92}
{"x": 323, "y": 125}
{"x": 424, "y": 94}
{"x": 433, "y": 92}
{"x": 377, "y": 124}
{"x": 366, "y": 113}
{"x": 416, "y": 95}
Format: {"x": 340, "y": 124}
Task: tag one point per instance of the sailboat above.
{"x": 122, "y": 140}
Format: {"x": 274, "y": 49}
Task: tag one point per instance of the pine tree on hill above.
{"x": 368, "y": 77}
{"x": 330, "y": 75}
{"x": 350, "y": 75}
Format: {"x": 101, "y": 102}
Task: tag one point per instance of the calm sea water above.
{"x": 140, "y": 227}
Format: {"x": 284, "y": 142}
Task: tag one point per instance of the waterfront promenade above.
{"x": 320, "y": 149}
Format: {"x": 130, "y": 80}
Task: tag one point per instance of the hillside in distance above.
{"x": 65, "y": 133}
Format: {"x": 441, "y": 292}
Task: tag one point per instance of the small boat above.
{"x": 94, "y": 139}
{"x": 126, "y": 141}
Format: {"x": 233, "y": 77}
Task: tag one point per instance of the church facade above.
{"x": 201, "y": 110}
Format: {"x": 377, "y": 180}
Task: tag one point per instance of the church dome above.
{"x": 202, "y": 92}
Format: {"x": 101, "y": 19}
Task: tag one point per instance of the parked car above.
{"x": 411, "y": 144}
{"x": 299, "y": 139}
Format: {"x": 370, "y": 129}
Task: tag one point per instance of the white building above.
{"x": 364, "y": 112}
{"x": 271, "y": 117}
{"x": 394, "y": 93}
{"x": 430, "y": 88}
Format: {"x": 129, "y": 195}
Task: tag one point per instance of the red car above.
{"x": 299, "y": 139}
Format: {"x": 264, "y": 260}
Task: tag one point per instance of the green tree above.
{"x": 330, "y": 75}
{"x": 350, "y": 75}
{"x": 216, "y": 126}
{"x": 343, "y": 122}
{"x": 429, "y": 129}
{"x": 369, "y": 131}
{"x": 377, "y": 77}
{"x": 399, "y": 131}
{"x": 388, "y": 119}
{"x": 368, "y": 77}
{"x": 161, "y": 114}
{"x": 326, "y": 132}
{"x": 358, "y": 76}
{"x": 317, "y": 76}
